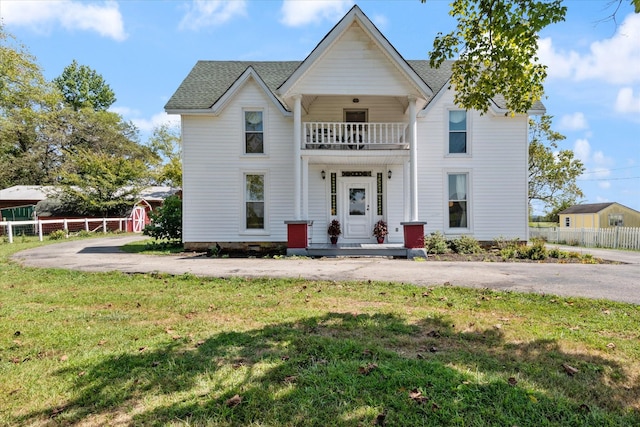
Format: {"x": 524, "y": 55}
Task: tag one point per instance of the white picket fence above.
{"x": 46, "y": 226}
{"x": 615, "y": 237}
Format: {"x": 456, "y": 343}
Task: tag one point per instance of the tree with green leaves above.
{"x": 27, "y": 101}
{"x": 166, "y": 144}
{"x": 552, "y": 172}
{"x": 102, "y": 184}
{"x": 166, "y": 221}
{"x": 495, "y": 46}
{"x": 83, "y": 87}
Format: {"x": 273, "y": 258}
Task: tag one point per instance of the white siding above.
{"x": 497, "y": 168}
{"x": 319, "y": 202}
{"x": 395, "y": 209}
{"x": 214, "y": 165}
{"x": 354, "y": 65}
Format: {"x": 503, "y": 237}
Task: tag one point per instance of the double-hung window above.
{"x": 458, "y": 132}
{"x": 253, "y": 132}
{"x": 458, "y": 200}
{"x": 616, "y": 220}
{"x": 254, "y": 211}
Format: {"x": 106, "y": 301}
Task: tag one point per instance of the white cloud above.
{"x": 298, "y": 13}
{"x": 627, "y": 102}
{"x": 143, "y": 124}
{"x": 615, "y": 60}
{"x": 147, "y": 125}
{"x": 381, "y": 21}
{"x": 124, "y": 111}
{"x": 210, "y": 13}
{"x": 597, "y": 163}
{"x": 582, "y": 150}
{"x": 605, "y": 185}
{"x": 575, "y": 121}
{"x": 103, "y": 18}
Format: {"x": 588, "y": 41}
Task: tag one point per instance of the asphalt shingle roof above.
{"x": 209, "y": 80}
{"x": 586, "y": 208}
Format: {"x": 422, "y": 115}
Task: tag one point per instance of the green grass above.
{"x": 153, "y": 247}
{"x": 154, "y": 349}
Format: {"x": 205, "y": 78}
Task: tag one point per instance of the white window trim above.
{"x": 243, "y": 208}
{"x": 446, "y": 133}
{"x": 470, "y": 204}
{"x": 265, "y": 147}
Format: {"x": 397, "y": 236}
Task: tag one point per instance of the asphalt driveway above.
{"x": 618, "y": 282}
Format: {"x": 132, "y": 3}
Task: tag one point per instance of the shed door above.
{"x": 138, "y": 218}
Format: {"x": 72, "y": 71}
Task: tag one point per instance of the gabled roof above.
{"x": 210, "y": 83}
{"x": 586, "y": 208}
{"x": 25, "y": 192}
{"x": 357, "y": 15}
{"x": 42, "y": 192}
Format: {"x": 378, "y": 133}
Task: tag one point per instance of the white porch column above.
{"x": 305, "y": 187}
{"x": 413, "y": 171}
{"x": 297, "y": 159}
{"x": 406, "y": 183}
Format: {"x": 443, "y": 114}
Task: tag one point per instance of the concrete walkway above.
{"x": 607, "y": 281}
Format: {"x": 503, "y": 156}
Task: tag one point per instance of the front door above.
{"x": 357, "y": 201}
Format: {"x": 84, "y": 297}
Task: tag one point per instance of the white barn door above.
{"x": 137, "y": 217}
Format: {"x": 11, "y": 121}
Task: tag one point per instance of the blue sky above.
{"x": 144, "y": 49}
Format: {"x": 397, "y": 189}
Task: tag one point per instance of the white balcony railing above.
{"x": 354, "y": 136}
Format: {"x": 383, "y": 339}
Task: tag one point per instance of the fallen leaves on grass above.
{"x": 233, "y": 401}
{"x": 290, "y": 379}
{"x": 416, "y": 396}
{"x": 367, "y": 369}
{"x": 570, "y": 370}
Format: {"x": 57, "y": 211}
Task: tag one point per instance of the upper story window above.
{"x": 253, "y": 132}
{"x": 457, "y": 132}
{"x": 616, "y": 220}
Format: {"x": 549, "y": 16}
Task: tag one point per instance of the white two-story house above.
{"x": 273, "y": 151}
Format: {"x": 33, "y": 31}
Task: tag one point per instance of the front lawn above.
{"x": 154, "y": 349}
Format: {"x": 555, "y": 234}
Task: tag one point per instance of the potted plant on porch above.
{"x": 334, "y": 231}
{"x": 380, "y": 231}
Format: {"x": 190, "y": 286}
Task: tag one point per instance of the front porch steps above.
{"x": 396, "y": 250}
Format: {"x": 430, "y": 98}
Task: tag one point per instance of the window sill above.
{"x": 457, "y": 155}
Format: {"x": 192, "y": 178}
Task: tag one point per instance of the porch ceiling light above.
{"x": 389, "y": 174}
{"x": 324, "y": 175}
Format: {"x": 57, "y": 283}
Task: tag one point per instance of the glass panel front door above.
{"x": 356, "y": 197}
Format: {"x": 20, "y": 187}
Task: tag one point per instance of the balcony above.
{"x": 354, "y": 136}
